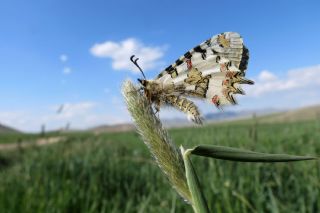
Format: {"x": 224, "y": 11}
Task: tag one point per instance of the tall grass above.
{"x": 114, "y": 173}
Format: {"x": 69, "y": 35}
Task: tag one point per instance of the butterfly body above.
{"x": 160, "y": 94}
{"x": 211, "y": 71}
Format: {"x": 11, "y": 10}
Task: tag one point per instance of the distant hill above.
{"x": 222, "y": 115}
{"x": 302, "y": 114}
{"x": 6, "y": 129}
{"x": 113, "y": 128}
{"x": 230, "y": 115}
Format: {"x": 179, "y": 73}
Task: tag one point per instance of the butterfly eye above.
{"x": 143, "y": 82}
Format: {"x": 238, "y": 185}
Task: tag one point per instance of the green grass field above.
{"x": 115, "y": 173}
{"x": 7, "y": 138}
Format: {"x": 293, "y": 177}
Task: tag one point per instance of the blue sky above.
{"x": 75, "y": 53}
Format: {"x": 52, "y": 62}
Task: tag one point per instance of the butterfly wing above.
{"x": 212, "y": 70}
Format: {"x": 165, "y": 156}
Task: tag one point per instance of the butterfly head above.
{"x": 146, "y": 87}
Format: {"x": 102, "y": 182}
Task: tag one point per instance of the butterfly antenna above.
{"x": 135, "y": 62}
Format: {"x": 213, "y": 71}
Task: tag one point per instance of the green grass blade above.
{"x": 199, "y": 202}
{"x": 234, "y": 154}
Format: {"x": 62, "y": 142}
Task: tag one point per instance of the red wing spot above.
{"x": 230, "y": 74}
{"x": 225, "y": 82}
{"x": 223, "y": 67}
{"x": 215, "y": 100}
{"x": 189, "y": 63}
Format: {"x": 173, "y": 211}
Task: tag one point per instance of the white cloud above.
{"x": 67, "y": 70}
{"x": 120, "y": 52}
{"x": 265, "y": 75}
{"x": 81, "y": 115}
{"x": 13, "y": 118}
{"x": 63, "y": 58}
{"x": 32, "y": 120}
{"x": 296, "y": 88}
{"x": 302, "y": 78}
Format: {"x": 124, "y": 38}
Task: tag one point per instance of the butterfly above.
{"x": 211, "y": 71}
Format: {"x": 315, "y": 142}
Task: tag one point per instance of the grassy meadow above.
{"x": 114, "y": 172}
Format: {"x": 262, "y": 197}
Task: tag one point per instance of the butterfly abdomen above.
{"x": 185, "y": 106}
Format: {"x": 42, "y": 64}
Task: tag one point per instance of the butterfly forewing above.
{"x": 212, "y": 70}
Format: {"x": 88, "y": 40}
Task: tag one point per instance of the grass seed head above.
{"x": 167, "y": 156}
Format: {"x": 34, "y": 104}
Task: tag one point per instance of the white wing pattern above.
{"x": 212, "y": 70}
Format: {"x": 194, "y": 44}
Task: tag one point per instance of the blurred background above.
{"x": 67, "y": 143}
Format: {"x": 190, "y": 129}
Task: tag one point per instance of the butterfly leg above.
{"x": 157, "y": 108}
